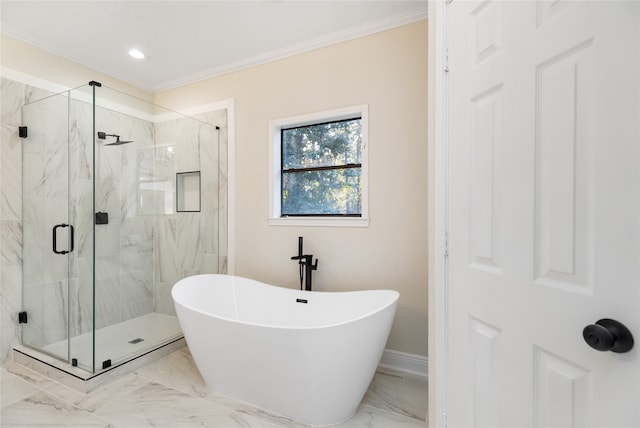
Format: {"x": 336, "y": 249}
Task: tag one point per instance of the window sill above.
{"x": 320, "y": 221}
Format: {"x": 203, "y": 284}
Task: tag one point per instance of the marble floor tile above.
{"x": 178, "y": 371}
{"x": 14, "y": 389}
{"x": 101, "y": 396}
{"x": 171, "y": 393}
{"x": 371, "y": 417}
{"x": 45, "y": 410}
{"x": 398, "y": 393}
{"x": 255, "y": 415}
{"x": 155, "y": 405}
{"x": 29, "y": 376}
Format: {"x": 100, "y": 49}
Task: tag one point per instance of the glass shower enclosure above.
{"x": 100, "y": 214}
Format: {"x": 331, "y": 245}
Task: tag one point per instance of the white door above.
{"x": 544, "y": 212}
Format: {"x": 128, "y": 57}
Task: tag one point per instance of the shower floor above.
{"x": 119, "y": 342}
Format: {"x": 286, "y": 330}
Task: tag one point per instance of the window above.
{"x": 319, "y": 169}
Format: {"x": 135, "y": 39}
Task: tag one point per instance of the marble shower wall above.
{"x": 124, "y": 246}
{"x": 146, "y": 246}
{"x": 189, "y": 243}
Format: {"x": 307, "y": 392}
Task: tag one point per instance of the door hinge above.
{"x": 446, "y": 60}
{"x": 22, "y": 317}
{"x": 446, "y": 244}
{"x": 22, "y": 131}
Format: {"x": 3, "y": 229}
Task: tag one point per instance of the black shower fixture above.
{"x": 104, "y": 135}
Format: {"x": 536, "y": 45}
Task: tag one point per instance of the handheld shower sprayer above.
{"x": 305, "y": 261}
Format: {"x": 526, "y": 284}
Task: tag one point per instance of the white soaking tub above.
{"x": 306, "y": 355}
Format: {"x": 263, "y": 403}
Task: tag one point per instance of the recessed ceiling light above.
{"x": 136, "y": 53}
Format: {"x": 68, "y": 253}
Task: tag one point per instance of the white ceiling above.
{"x": 186, "y": 41}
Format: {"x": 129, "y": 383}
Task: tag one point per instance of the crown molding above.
{"x": 369, "y": 28}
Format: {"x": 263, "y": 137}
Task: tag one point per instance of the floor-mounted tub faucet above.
{"x": 306, "y": 266}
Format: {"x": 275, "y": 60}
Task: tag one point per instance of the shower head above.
{"x": 104, "y": 135}
{"x": 118, "y": 142}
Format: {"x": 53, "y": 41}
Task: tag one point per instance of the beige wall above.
{"x": 387, "y": 71}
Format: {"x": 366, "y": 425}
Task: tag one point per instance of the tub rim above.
{"x": 393, "y": 301}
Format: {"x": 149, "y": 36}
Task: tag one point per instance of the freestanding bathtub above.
{"x": 306, "y": 355}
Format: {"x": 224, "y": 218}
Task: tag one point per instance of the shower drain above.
{"x": 136, "y": 340}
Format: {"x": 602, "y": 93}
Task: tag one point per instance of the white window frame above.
{"x": 275, "y": 147}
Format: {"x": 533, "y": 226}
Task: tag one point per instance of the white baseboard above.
{"x": 405, "y": 362}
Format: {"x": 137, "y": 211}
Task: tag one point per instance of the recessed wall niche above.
{"x": 188, "y": 191}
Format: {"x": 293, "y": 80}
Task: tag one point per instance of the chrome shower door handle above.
{"x": 55, "y": 238}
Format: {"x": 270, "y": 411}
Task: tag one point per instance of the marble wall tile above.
{"x": 137, "y": 186}
{"x": 76, "y": 323}
{"x": 11, "y": 302}
{"x": 164, "y": 176}
{"x": 210, "y": 263}
{"x": 188, "y": 153}
{"x": 33, "y": 331}
{"x": 136, "y": 308}
{"x": 165, "y": 256}
{"x": 108, "y": 293}
{"x": 10, "y": 283}
{"x": 45, "y": 154}
{"x": 138, "y": 130}
{"x": 55, "y": 311}
{"x": 140, "y": 225}
{"x": 108, "y": 162}
{"x": 80, "y": 141}
{"x": 135, "y": 284}
{"x": 33, "y": 156}
{"x": 107, "y": 199}
{"x": 82, "y": 295}
{"x": 11, "y": 251}
{"x": 82, "y": 217}
{"x": 56, "y": 266}
{"x": 223, "y": 264}
{"x": 25, "y": 239}
{"x": 10, "y": 173}
{"x": 188, "y": 237}
{"x": 163, "y": 302}
{"x": 11, "y": 101}
{"x": 33, "y": 94}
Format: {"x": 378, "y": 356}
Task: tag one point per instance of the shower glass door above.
{"x": 57, "y": 238}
